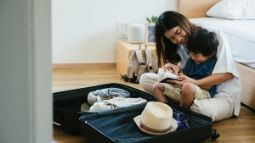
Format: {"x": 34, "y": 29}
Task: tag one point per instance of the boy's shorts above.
{"x": 175, "y": 93}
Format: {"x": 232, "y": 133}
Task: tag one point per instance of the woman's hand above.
{"x": 171, "y": 67}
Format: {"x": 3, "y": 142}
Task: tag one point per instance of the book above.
{"x": 163, "y": 76}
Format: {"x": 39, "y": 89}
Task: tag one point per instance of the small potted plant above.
{"x": 152, "y": 20}
{"x": 150, "y": 29}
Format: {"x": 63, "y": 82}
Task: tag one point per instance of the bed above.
{"x": 241, "y": 36}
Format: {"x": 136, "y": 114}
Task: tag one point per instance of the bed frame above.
{"x": 195, "y": 8}
{"x": 198, "y": 8}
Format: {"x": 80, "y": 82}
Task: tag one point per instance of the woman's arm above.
{"x": 209, "y": 81}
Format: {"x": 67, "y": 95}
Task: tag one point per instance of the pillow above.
{"x": 233, "y": 9}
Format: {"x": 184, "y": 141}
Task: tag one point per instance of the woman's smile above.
{"x": 176, "y": 35}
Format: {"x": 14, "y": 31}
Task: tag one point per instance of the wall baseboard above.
{"x": 85, "y": 66}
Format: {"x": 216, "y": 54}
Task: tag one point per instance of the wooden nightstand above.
{"x": 124, "y": 50}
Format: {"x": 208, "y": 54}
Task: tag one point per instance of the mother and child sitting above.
{"x": 202, "y": 49}
{"x": 202, "y": 59}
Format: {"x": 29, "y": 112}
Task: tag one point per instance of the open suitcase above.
{"x": 67, "y": 104}
{"x": 117, "y": 126}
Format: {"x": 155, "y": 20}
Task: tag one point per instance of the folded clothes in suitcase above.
{"x": 118, "y": 126}
{"x": 67, "y": 104}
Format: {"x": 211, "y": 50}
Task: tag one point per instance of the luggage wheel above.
{"x": 214, "y": 135}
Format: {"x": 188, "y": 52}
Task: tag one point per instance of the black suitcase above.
{"x": 66, "y": 105}
{"x": 118, "y": 127}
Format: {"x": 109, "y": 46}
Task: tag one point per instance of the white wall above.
{"x": 25, "y": 72}
{"x": 84, "y": 31}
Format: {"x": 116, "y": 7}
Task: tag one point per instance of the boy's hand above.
{"x": 181, "y": 80}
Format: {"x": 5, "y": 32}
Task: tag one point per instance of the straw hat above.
{"x": 156, "y": 119}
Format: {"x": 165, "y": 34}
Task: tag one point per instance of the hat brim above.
{"x": 137, "y": 120}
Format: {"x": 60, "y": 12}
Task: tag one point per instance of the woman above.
{"x": 172, "y": 33}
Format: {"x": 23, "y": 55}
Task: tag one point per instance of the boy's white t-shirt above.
{"x": 225, "y": 64}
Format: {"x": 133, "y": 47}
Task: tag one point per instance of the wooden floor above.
{"x": 234, "y": 130}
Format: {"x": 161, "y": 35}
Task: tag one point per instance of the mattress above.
{"x": 240, "y": 33}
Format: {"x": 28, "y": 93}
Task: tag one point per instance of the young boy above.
{"x": 202, "y": 48}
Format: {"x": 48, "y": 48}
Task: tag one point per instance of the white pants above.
{"x": 220, "y": 107}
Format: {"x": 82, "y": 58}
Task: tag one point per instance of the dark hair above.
{"x": 203, "y": 42}
{"x": 166, "y": 50}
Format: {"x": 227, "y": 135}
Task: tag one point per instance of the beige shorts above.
{"x": 175, "y": 93}
{"x": 220, "y": 107}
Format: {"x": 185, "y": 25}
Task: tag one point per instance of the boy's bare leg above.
{"x": 187, "y": 95}
{"x": 158, "y": 90}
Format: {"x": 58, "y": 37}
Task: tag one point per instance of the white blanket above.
{"x": 241, "y": 28}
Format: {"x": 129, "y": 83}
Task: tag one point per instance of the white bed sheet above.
{"x": 240, "y": 33}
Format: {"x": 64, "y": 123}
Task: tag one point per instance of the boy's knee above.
{"x": 187, "y": 94}
{"x": 188, "y": 88}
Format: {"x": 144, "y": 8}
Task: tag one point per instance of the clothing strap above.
{"x": 148, "y": 53}
{"x": 139, "y": 56}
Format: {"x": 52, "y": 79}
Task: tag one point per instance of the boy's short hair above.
{"x": 204, "y": 42}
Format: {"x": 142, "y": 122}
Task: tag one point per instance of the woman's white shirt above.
{"x": 183, "y": 52}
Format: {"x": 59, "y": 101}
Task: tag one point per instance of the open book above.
{"x": 163, "y": 76}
